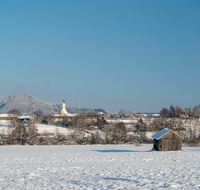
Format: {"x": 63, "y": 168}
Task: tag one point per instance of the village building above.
{"x": 55, "y": 118}
{"x": 8, "y": 117}
{"x": 33, "y": 117}
{"x": 91, "y": 116}
{"x": 23, "y": 118}
{"x": 167, "y": 140}
{"x": 116, "y": 120}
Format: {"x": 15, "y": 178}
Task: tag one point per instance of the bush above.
{"x": 194, "y": 142}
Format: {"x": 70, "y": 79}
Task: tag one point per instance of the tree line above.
{"x": 177, "y": 112}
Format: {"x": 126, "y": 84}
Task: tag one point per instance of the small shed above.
{"x": 167, "y": 140}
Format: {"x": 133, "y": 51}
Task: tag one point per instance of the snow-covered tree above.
{"x": 164, "y": 112}
{"x": 186, "y": 111}
{"x": 178, "y": 111}
{"x": 172, "y": 111}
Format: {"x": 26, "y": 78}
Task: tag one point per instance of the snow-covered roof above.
{"x": 100, "y": 113}
{"x": 6, "y": 115}
{"x": 23, "y": 117}
{"x": 121, "y": 120}
{"x": 161, "y": 133}
{"x": 61, "y": 115}
{"x": 87, "y": 111}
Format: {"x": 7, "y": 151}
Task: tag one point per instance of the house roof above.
{"x": 62, "y": 115}
{"x": 6, "y": 115}
{"x": 89, "y": 111}
{"x": 100, "y": 113}
{"x": 163, "y": 132}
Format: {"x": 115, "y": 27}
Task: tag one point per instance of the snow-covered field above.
{"x": 42, "y": 129}
{"x": 98, "y": 167}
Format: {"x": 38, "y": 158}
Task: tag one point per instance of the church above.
{"x": 62, "y": 115}
{"x": 63, "y": 111}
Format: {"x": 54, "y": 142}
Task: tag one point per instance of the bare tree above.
{"x": 18, "y": 133}
{"x": 15, "y": 112}
{"x": 108, "y": 130}
{"x": 120, "y": 132}
{"x": 178, "y": 111}
{"x": 79, "y": 127}
{"x": 32, "y": 132}
{"x": 39, "y": 116}
{"x": 122, "y": 113}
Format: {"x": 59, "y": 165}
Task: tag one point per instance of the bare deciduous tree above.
{"x": 39, "y": 116}
{"x": 32, "y": 132}
{"x": 120, "y": 131}
{"x": 79, "y": 127}
{"x": 178, "y": 111}
{"x": 15, "y": 112}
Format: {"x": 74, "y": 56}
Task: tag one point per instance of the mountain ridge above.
{"x": 27, "y": 104}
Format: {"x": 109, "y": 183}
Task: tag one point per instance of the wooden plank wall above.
{"x": 170, "y": 142}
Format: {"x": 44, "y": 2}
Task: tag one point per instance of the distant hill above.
{"x": 26, "y": 104}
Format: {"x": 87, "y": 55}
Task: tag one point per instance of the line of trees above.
{"x": 176, "y": 112}
{"x": 101, "y": 132}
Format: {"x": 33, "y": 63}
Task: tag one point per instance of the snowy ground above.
{"x": 52, "y": 129}
{"x": 98, "y": 167}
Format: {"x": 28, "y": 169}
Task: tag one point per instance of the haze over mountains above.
{"x": 27, "y": 104}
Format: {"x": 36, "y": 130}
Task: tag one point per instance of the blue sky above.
{"x": 131, "y": 55}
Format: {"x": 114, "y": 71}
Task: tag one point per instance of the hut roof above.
{"x": 163, "y": 132}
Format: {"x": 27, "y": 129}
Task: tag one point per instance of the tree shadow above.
{"x": 112, "y": 178}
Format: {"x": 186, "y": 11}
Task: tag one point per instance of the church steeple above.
{"x": 63, "y": 111}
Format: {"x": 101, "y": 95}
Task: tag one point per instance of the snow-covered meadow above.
{"x": 42, "y": 128}
{"x": 98, "y": 167}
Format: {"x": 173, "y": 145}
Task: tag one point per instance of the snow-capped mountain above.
{"x": 26, "y": 104}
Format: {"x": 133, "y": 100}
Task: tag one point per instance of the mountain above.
{"x": 27, "y": 104}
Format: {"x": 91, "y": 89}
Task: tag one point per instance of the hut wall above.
{"x": 170, "y": 142}
{"x": 156, "y": 144}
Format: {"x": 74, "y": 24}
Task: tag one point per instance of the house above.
{"x": 54, "y": 118}
{"x": 33, "y": 116}
{"x": 23, "y": 118}
{"x": 125, "y": 121}
{"x": 167, "y": 140}
{"x": 7, "y": 117}
{"x": 91, "y": 116}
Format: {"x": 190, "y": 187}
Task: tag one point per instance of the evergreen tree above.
{"x": 186, "y": 111}
{"x": 189, "y": 111}
{"x": 164, "y": 112}
{"x": 172, "y": 111}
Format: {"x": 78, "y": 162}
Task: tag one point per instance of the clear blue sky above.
{"x": 131, "y": 55}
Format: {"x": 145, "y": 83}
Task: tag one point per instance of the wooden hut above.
{"x": 167, "y": 140}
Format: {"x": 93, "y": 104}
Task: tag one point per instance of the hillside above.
{"x": 26, "y": 104}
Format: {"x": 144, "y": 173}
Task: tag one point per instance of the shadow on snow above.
{"x": 122, "y": 179}
{"x": 107, "y": 151}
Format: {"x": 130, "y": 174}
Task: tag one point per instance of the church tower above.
{"x": 63, "y": 111}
